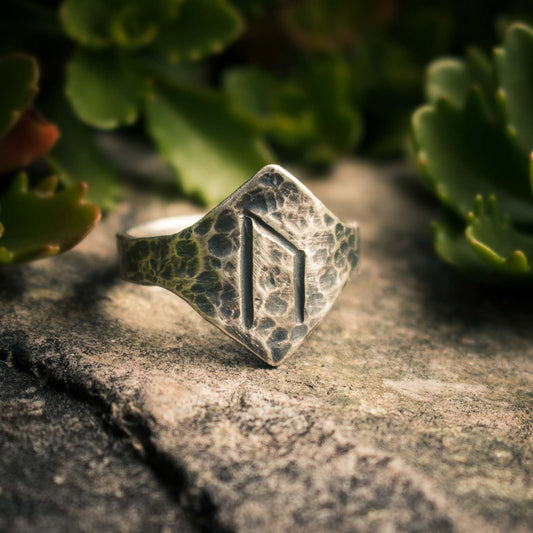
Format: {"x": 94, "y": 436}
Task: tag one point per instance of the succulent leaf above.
{"x": 463, "y": 153}
{"x": 515, "y": 67}
{"x": 30, "y": 138}
{"x": 100, "y": 24}
{"x": 76, "y": 158}
{"x": 41, "y": 222}
{"x": 310, "y": 117}
{"x": 22, "y": 72}
{"x": 132, "y": 27}
{"x": 103, "y": 88}
{"x": 453, "y": 78}
{"x": 87, "y": 21}
{"x": 447, "y": 78}
{"x": 496, "y": 242}
{"x": 452, "y": 247}
{"x": 472, "y": 142}
{"x": 328, "y": 88}
{"x": 280, "y": 109}
{"x": 255, "y": 92}
{"x": 482, "y": 73}
{"x": 181, "y": 39}
{"x": 489, "y": 250}
{"x": 210, "y": 148}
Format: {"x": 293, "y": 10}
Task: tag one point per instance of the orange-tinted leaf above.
{"x": 31, "y": 138}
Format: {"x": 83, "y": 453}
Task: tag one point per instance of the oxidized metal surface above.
{"x": 264, "y": 266}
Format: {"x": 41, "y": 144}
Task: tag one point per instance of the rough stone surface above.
{"x": 61, "y": 470}
{"x": 408, "y": 408}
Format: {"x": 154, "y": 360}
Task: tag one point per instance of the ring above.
{"x": 264, "y": 266}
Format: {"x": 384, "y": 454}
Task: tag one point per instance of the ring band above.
{"x": 264, "y": 266}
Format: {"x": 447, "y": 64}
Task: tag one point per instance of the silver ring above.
{"x": 264, "y": 266}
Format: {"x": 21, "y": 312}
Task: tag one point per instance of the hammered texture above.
{"x": 264, "y": 266}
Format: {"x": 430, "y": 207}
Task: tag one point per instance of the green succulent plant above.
{"x": 127, "y": 64}
{"x": 116, "y": 63}
{"x": 39, "y": 222}
{"x": 474, "y": 142}
{"x": 301, "y": 76}
{"x": 310, "y": 118}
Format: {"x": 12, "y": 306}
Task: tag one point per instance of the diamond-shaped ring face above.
{"x": 264, "y": 266}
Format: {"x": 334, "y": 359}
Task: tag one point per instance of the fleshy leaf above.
{"x": 254, "y": 91}
{"x": 76, "y": 158}
{"x": 87, "y": 21}
{"x": 39, "y": 223}
{"x": 496, "y": 241}
{"x": 453, "y": 79}
{"x": 463, "y": 153}
{"x": 310, "y": 117}
{"x": 105, "y": 92}
{"x": 210, "y": 148}
{"x": 447, "y": 78}
{"x": 280, "y": 109}
{"x": 31, "y": 138}
{"x": 472, "y": 143}
{"x": 135, "y": 25}
{"x": 203, "y": 27}
{"x": 132, "y": 27}
{"x": 20, "y": 75}
{"x": 482, "y": 74}
{"x": 99, "y": 24}
{"x": 515, "y": 66}
{"x": 453, "y": 248}
{"x": 328, "y": 86}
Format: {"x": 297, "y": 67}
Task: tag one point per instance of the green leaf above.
{"x": 482, "y": 72}
{"x": 88, "y": 21}
{"x": 496, "y": 242}
{"x": 132, "y": 27}
{"x": 473, "y": 142}
{"x": 447, "y": 78}
{"x": 210, "y": 148}
{"x": 39, "y": 223}
{"x": 311, "y": 118}
{"x": 452, "y": 247}
{"x": 463, "y": 153}
{"x": 515, "y": 65}
{"x": 20, "y": 75}
{"x": 159, "y": 70}
{"x": 255, "y": 92}
{"x": 337, "y": 121}
{"x": 103, "y": 88}
{"x": 136, "y": 24}
{"x": 76, "y": 158}
{"x": 101, "y": 23}
{"x": 280, "y": 109}
{"x": 203, "y": 27}
{"x": 475, "y": 252}
{"x": 453, "y": 79}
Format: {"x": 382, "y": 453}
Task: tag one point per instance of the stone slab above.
{"x": 62, "y": 470}
{"x": 409, "y": 408}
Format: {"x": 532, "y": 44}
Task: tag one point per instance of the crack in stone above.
{"x": 131, "y": 427}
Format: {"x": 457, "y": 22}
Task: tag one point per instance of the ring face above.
{"x": 264, "y": 266}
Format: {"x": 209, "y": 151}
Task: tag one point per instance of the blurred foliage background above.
{"x": 219, "y": 87}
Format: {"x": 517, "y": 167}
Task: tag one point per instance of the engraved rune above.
{"x": 247, "y": 268}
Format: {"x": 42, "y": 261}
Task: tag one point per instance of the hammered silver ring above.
{"x": 264, "y": 266}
